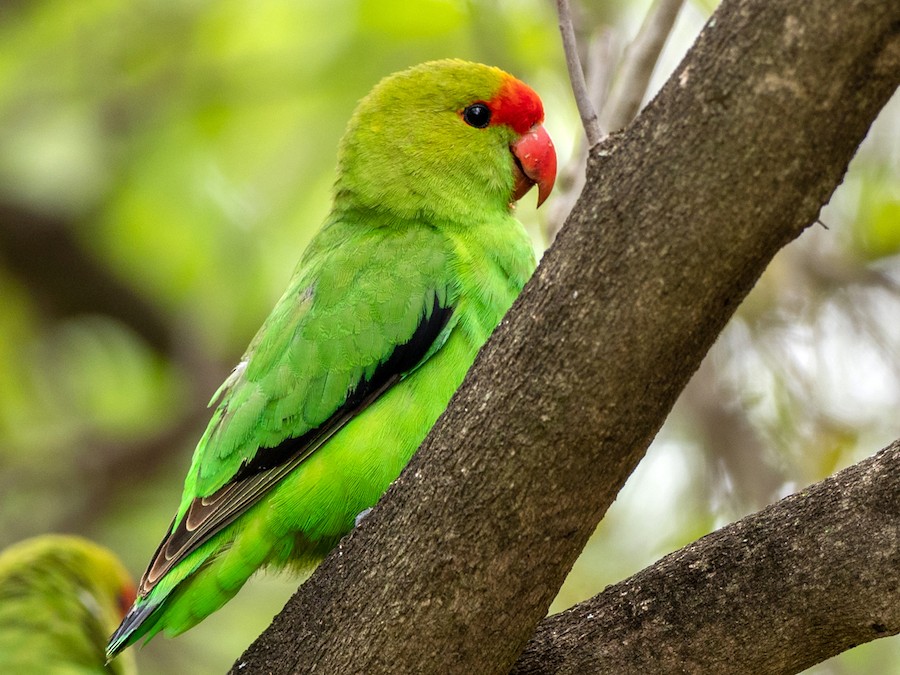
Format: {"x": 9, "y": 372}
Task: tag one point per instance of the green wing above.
{"x": 351, "y": 324}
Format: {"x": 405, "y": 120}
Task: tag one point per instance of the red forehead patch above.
{"x": 516, "y": 105}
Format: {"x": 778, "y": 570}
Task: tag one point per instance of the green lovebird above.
{"x": 60, "y": 597}
{"x": 413, "y": 269}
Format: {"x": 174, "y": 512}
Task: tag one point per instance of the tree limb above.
{"x": 600, "y": 64}
{"x": 617, "y": 108}
{"x": 454, "y": 569}
{"x": 776, "y": 592}
{"x": 576, "y": 74}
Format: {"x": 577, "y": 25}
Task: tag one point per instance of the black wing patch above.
{"x": 403, "y": 359}
{"x": 207, "y": 516}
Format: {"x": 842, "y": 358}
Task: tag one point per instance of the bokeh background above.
{"x": 164, "y": 162}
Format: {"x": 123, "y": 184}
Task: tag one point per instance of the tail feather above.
{"x": 190, "y": 592}
{"x": 133, "y": 627}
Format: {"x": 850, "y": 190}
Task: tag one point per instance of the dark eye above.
{"x": 477, "y": 115}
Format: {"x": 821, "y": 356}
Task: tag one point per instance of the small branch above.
{"x": 570, "y": 181}
{"x": 637, "y": 66}
{"x": 65, "y": 279}
{"x": 776, "y": 592}
{"x": 110, "y": 470}
{"x": 576, "y": 75}
{"x": 617, "y": 108}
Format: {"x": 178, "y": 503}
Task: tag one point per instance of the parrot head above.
{"x": 446, "y": 139}
{"x": 76, "y": 565}
{"x": 74, "y": 593}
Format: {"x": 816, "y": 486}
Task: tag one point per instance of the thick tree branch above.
{"x": 679, "y": 217}
{"x": 777, "y": 592}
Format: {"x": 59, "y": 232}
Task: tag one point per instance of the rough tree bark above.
{"x": 680, "y": 214}
{"x": 776, "y": 592}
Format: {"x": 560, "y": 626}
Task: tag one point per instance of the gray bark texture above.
{"x": 776, "y": 592}
{"x": 453, "y": 571}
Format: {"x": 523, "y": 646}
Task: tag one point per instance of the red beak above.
{"x": 534, "y": 161}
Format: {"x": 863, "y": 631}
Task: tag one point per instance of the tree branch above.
{"x": 65, "y": 280}
{"x": 776, "y": 592}
{"x": 454, "y": 569}
{"x": 638, "y": 64}
{"x": 570, "y": 179}
{"x": 576, "y": 74}
{"x": 617, "y": 108}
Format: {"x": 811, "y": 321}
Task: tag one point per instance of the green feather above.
{"x": 413, "y": 269}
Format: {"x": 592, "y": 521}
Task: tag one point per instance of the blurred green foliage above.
{"x": 168, "y": 160}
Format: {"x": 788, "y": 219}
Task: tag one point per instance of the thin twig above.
{"x": 599, "y": 67}
{"x": 621, "y": 105}
{"x": 579, "y": 89}
{"x": 637, "y": 66}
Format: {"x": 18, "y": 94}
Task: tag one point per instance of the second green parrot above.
{"x": 60, "y": 596}
{"x": 414, "y": 267}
